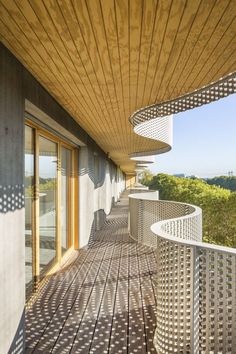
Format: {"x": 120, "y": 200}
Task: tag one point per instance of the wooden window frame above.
{"x": 72, "y": 204}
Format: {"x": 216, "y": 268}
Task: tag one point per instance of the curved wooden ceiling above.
{"x": 103, "y": 60}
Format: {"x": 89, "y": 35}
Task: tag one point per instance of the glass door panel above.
{"x": 66, "y": 171}
{"x": 47, "y": 201}
{"x": 29, "y": 205}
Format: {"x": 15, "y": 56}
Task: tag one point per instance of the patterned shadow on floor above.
{"x": 102, "y": 302}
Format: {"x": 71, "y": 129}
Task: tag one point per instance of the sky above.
{"x": 204, "y": 141}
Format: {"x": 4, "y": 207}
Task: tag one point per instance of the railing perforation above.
{"x": 195, "y": 283}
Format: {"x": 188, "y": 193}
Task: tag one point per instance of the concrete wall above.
{"x": 130, "y": 181}
{"x": 12, "y": 243}
{"x": 100, "y": 185}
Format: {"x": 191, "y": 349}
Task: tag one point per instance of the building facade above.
{"x": 87, "y": 88}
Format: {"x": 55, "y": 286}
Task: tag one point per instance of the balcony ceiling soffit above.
{"x": 104, "y": 60}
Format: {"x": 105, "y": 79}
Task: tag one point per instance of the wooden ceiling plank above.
{"x": 93, "y": 65}
{"x": 19, "y": 36}
{"x": 174, "y": 21}
{"x": 218, "y": 53}
{"x": 97, "y": 37}
{"x": 184, "y": 30}
{"x": 95, "y": 17}
{"x": 193, "y": 61}
{"x": 40, "y": 66}
{"x": 163, "y": 13}
{"x": 101, "y": 128}
{"x": 122, "y": 20}
{"x": 149, "y": 23}
{"x": 50, "y": 57}
{"x": 80, "y": 72}
{"x": 8, "y": 39}
{"x": 223, "y": 67}
{"x": 110, "y": 30}
{"x": 60, "y": 54}
{"x": 72, "y": 52}
{"x": 89, "y": 40}
{"x": 92, "y": 53}
{"x": 74, "y": 29}
{"x": 231, "y": 65}
{"x": 18, "y": 50}
{"x": 36, "y": 62}
{"x": 135, "y": 32}
{"x": 202, "y": 16}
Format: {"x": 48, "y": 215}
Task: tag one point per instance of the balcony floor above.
{"x": 102, "y": 302}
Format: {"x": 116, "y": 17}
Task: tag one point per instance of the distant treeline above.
{"x": 224, "y": 182}
{"x": 218, "y": 204}
{"x": 45, "y": 184}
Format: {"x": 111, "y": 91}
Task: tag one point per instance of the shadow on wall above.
{"x": 96, "y": 169}
{"x": 98, "y": 222}
{"x": 102, "y": 183}
{"x": 11, "y": 198}
{"x": 18, "y": 342}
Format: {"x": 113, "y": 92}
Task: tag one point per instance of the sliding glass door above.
{"x": 49, "y": 204}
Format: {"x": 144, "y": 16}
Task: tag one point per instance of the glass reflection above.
{"x": 47, "y": 200}
{"x": 66, "y": 166}
{"x": 29, "y": 197}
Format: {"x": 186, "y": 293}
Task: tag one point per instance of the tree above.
{"x": 224, "y": 182}
{"x": 147, "y": 176}
{"x": 218, "y": 205}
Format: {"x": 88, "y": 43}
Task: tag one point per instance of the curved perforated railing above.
{"x": 222, "y": 88}
{"x": 196, "y": 281}
{"x": 155, "y": 121}
{"x": 159, "y": 129}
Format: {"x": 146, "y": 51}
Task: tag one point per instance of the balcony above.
{"x": 103, "y": 300}
{"x": 88, "y": 94}
{"x": 154, "y": 288}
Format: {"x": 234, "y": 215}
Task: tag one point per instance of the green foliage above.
{"x": 147, "y": 176}
{"x": 218, "y": 205}
{"x": 224, "y": 182}
{"x": 45, "y": 185}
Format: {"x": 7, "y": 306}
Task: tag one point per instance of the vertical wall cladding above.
{"x": 12, "y": 271}
{"x": 101, "y": 183}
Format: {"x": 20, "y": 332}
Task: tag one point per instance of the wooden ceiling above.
{"x": 103, "y": 60}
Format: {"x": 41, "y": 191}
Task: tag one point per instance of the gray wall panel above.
{"x": 12, "y": 247}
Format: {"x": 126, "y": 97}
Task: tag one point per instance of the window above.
{"x": 49, "y": 201}
{"x": 48, "y": 162}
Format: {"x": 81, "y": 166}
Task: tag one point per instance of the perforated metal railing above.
{"x": 196, "y": 281}
{"x": 213, "y": 92}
